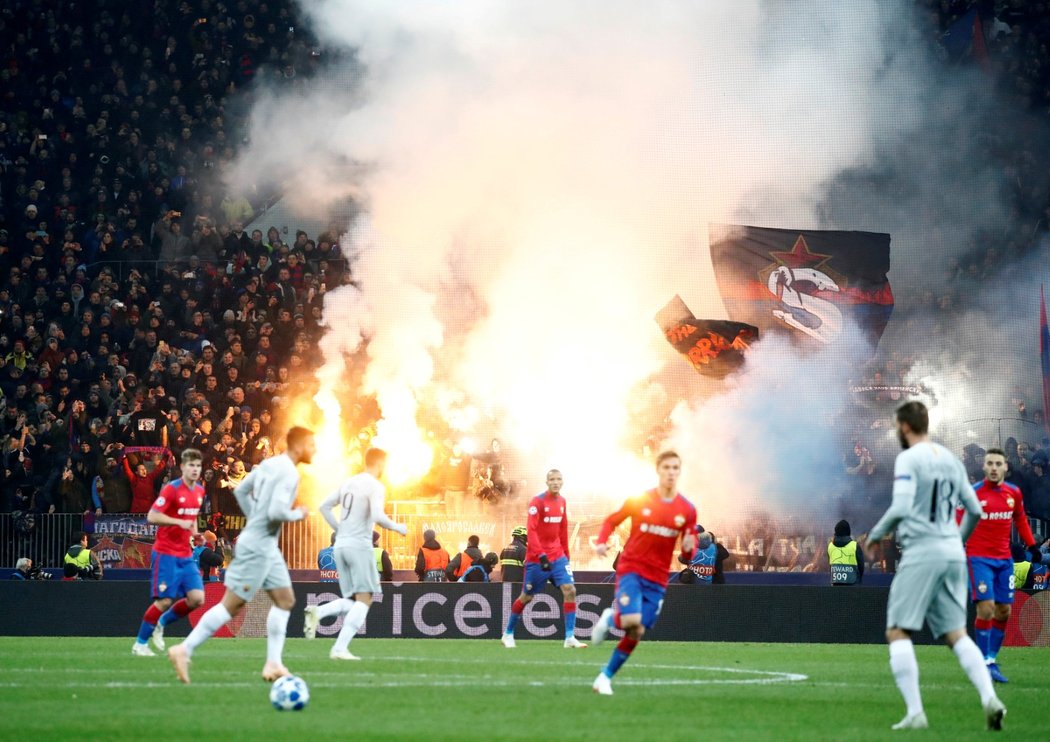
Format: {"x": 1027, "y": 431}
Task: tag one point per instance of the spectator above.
{"x": 432, "y": 560}
{"x": 207, "y": 555}
{"x": 460, "y": 563}
{"x": 144, "y": 483}
{"x": 480, "y": 570}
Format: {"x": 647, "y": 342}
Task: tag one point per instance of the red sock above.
{"x": 1001, "y": 625}
{"x": 518, "y": 606}
{"x": 152, "y": 615}
{"x": 181, "y": 608}
{"x": 570, "y": 607}
{"x": 616, "y": 620}
{"x": 983, "y": 623}
{"x": 627, "y": 645}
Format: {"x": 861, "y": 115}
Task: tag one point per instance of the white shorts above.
{"x": 254, "y": 569}
{"x": 357, "y": 570}
{"x": 932, "y": 591}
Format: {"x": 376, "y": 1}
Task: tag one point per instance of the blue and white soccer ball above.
{"x": 289, "y": 694}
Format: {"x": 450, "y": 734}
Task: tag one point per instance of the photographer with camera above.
{"x": 24, "y": 570}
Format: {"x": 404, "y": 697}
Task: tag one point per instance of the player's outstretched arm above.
{"x": 377, "y": 500}
{"x": 280, "y": 501}
{"x": 903, "y": 496}
{"x": 327, "y": 506}
{"x": 609, "y": 525}
{"x": 972, "y": 511}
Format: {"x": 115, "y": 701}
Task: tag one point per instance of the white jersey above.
{"x": 361, "y": 499}
{"x": 929, "y": 485}
{"x": 266, "y": 496}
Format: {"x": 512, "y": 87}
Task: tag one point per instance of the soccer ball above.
{"x": 289, "y": 694}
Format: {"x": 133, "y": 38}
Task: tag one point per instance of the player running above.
{"x": 988, "y": 554}
{"x": 928, "y": 485}
{"x": 547, "y": 558}
{"x": 265, "y": 497}
{"x": 658, "y": 518}
{"x": 175, "y": 577}
{"x": 361, "y": 497}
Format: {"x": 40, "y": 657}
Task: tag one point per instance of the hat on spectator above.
{"x": 210, "y": 537}
{"x": 246, "y": 408}
{"x": 206, "y": 344}
{"x": 31, "y": 207}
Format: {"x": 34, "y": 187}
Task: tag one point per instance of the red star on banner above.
{"x": 800, "y": 256}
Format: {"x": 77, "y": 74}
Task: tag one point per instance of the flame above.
{"x": 409, "y": 454}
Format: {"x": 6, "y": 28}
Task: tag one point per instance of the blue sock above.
{"x": 619, "y": 656}
{"x": 570, "y": 620}
{"x": 996, "y": 635}
{"x": 145, "y": 632}
{"x": 515, "y": 615}
{"x": 168, "y": 616}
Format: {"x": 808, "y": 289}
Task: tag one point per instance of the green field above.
{"x": 54, "y": 688}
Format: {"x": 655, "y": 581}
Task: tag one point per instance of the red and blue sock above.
{"x": 995, "y": 638}
{"x": 515, "y": 615}
{"x": 619, "y": 656}
{"x": 179, "y": 609}
{"x": 983, "y": 634}
{"x": 149, "y": 622}
{"x": 570, "y": 619}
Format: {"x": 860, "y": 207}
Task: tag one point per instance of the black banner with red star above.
{"x": 713, "y": 347}
{"x": 812, "y": 283}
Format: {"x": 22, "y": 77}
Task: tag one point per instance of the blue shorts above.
{"x": 991, "y": 579}
{"x": 173, "y": 577}
{"x": 635, "y": 594}
{"x": 535, "y": 577}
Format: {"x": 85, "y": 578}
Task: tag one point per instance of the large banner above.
{"x": 808, "y": 282}
{"x": 123, "y": 541}
{"x": 713, "y": 347}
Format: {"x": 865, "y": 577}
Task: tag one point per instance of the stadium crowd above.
{"x": 139, "y": 317}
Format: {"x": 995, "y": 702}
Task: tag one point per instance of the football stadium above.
{"x": 507, "y": 370}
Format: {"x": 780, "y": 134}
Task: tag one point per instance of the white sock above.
{"x": 973, "y": 663}
{"x": 906, "y": 672}
{"x": 213, "y": 619}
{"x": 334, "y": 607}
{"x": 355, "y": 619}
{"x": 276, "y": 628}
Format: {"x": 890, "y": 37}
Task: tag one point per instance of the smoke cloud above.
{"x": 537, "y": 179}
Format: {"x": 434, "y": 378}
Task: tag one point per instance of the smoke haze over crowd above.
{"x": 536, "y": 181}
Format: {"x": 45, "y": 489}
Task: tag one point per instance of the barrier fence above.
{"x": 42, "y": 538}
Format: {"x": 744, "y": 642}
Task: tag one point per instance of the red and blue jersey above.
{"x": 177, "y": 500}
{"x": 1003, "y": 508}
{"x": 656, "y": 525}
{"x": 548, "y": 528}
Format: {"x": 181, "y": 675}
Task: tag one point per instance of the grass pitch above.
{"x": 62, "y": 688}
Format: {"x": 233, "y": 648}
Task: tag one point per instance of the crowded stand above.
{"x": 146, "y": 309}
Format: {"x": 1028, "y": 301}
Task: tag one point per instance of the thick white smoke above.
{"x": 537, "y": 179}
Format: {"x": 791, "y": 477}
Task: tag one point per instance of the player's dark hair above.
{"x": 374, "y": 456}
{"x": 297, "y": 435}
{"x": 667, "y": 455}
{"x": 995, "y": 452}
{"x": 78, "y": 536}
{"x": 191, "y": 454}
{"x": 916, "y": 415}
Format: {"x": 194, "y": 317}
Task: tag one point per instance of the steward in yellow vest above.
{"x": 845, "y": 557}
